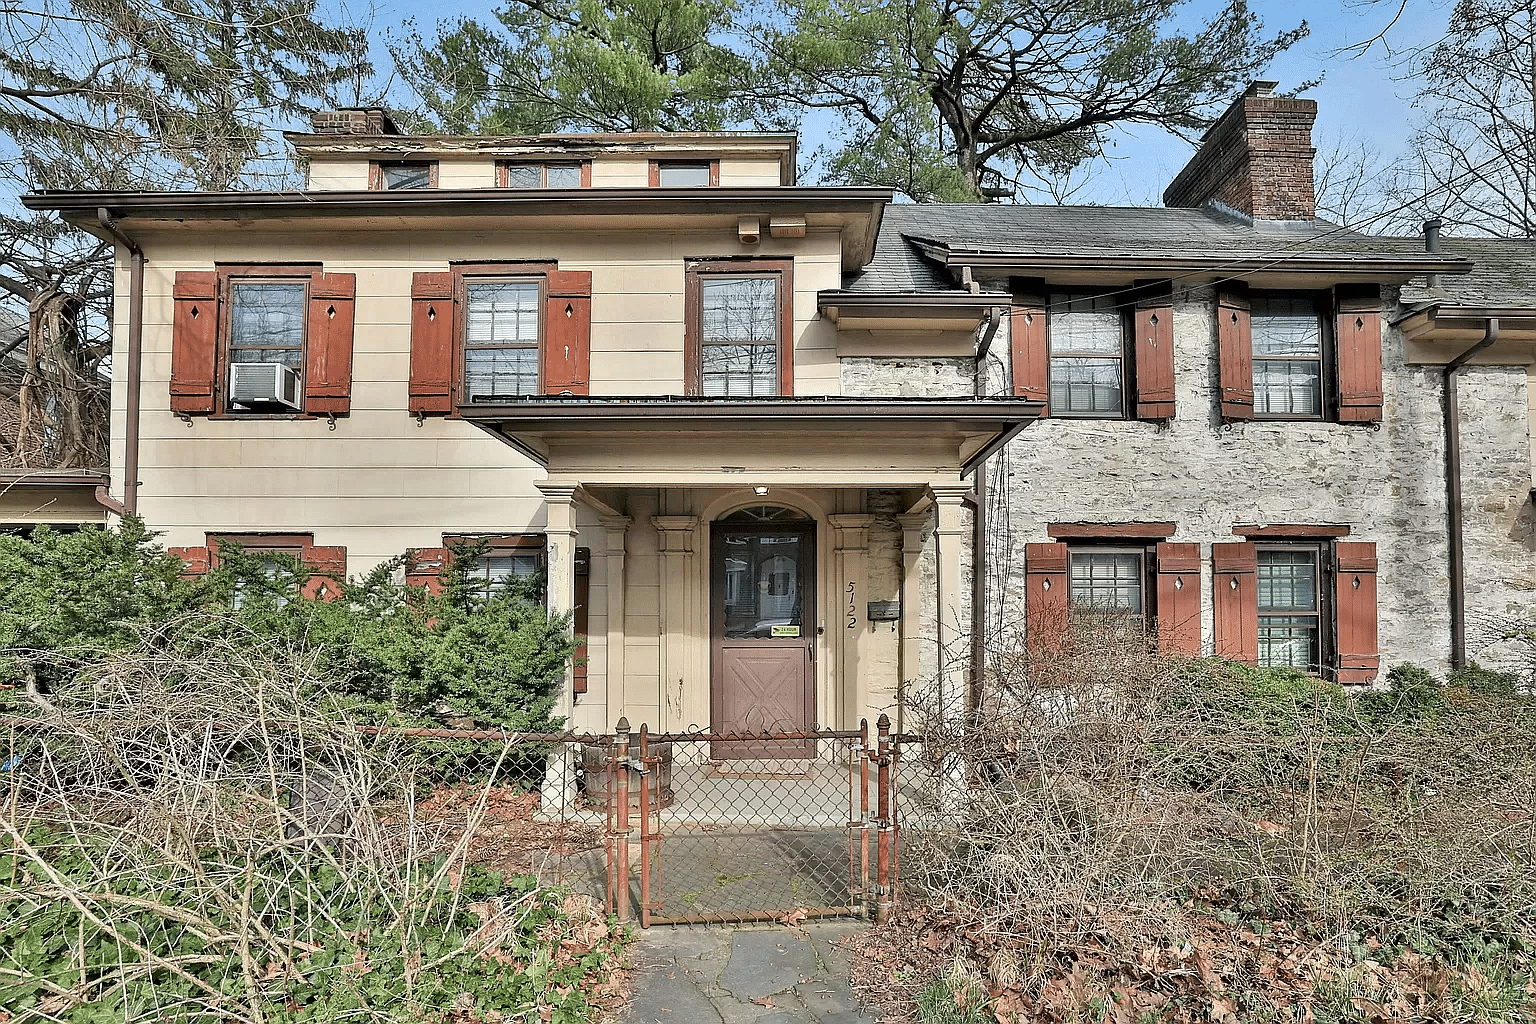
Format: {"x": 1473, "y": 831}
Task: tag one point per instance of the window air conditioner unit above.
{"x": 261, "y": 383}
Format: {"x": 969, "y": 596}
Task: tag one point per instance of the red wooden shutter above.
{"x": 568, "y": 333}
{"x": 1235, "y": 586}
{"x": 194, "y": 334}
{"x": 1359, "y": 657}
{"x": 197, "y": 559}
{"x": 1178, "y": 598}
{"x": 1030, "y": 349}
{"x": 1045, "y": 595}
{"x": 432, "y": 343}
{"x": 1154, "y": 359}
{"x": 579, "y": 618}
{"x": 1234, "y": 340}
{"x": 1357, "y": 335}
{"x": 328, "y": 360}
{"x": 424, "y": 567}
{"x": 329, "y": 567}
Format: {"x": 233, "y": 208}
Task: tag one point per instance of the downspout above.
{"x": 135, "y": 368}
{"x": 979, "y": 529}
{"x": 1453, "y": 496}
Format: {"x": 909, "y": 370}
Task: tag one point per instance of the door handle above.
{"x": 810, "y": 649}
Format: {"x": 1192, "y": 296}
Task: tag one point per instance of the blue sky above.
{"x": 1363, "y": 100}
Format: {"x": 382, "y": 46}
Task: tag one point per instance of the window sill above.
{"x": 263, "y": 416}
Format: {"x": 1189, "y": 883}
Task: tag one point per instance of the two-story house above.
{"x": 740, "y": 421}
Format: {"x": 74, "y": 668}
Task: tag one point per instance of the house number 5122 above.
{"x": 853, "y": 613}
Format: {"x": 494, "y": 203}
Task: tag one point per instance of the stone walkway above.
{"x": 766, "y": 974}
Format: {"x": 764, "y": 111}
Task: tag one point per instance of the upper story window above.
{"x": 1087, "y": 355}
{"x": 393, "y": 175}
{"x": 484, "y": 332}
{"x": 501, "y": 337}
{"x": 739, "y": 326}
{"x": 262, "y": 339}
{"x": 1301, "y": 355}
{"x": 543, "y": 175}
{"x": 1288, "y": 346}
{"x": 684, "y": 173}
{"x": 266, "y": 320}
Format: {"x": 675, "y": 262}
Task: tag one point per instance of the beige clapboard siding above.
{"x": 380, "y": 482}
{"x": 338, "y": 175}
{"x": 748, "y": 173}
{"x": 466, "y": 173}
{"x": 621, "y": 172}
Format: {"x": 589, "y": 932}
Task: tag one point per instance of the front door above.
{"x": 763, "y": 631}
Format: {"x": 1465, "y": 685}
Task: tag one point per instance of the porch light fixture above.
{"x": 759, "y": 490}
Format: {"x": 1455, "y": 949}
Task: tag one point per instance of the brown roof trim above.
{"x": 1289, "y": 531}
{"x": 1226, "y": 263}
{"x": 1110, "y": 531}
{"x": 53, "y": 478}
{"x": 80, "y": 208}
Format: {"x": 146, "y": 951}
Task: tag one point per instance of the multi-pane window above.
{"x": 541, "y": 175}
{"x": 678, "y": 174}
{"x": 1087, "y": 335}
{"x": 1287, "y": 356}
{"x": 501, "y": 339}
{"x": 1108, "y": 581}
{"x": 266, "y": 322}
{"x": 405, "y": 175}
{"x": 739, "y": 335}
{"x": 1290, "y": 625}
{"x": 498, "y": 565}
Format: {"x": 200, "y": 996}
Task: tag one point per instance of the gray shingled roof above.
{"x": 1095, "y": 230}
{"x": 1503, "y": 273}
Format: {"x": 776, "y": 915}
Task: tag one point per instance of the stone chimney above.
{"x": 1256, "y": 160}
{"x": 354, "y": 121}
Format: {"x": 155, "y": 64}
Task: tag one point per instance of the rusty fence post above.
{"x": 618, "y": 822}
{"x": 860, "y": 872}
{"x": 884, "y": 836}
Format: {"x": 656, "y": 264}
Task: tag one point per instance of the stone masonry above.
{"x": 1385, "y": 481}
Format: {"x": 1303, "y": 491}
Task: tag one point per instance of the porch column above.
{"x": 677, "y": 586}
{"x": 913, "y": 526}
{"x": 560, "y": 557}
{"x": 559, "y": 789}
{"x": 954, "y": 654}
{"x": 617, "y": 527}
{"x": 850, "y": 536}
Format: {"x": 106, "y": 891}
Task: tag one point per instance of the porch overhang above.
{"x": 1434, "y": 333}
{"x": 696, "y": 441}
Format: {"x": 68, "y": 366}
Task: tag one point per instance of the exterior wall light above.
{"x": 759, "y": 491}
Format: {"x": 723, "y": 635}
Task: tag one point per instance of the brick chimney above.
{"x": 353, "y": 121}
{"x": 1255, "y": 160}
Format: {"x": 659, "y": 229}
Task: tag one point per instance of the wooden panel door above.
{"x": 763, "y": 632}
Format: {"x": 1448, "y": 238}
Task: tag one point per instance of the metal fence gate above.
{"x": 717, "y": 828}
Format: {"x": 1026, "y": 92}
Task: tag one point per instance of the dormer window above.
{"x": 684, "y": 173}
{"x": 543, "y": 175}
{"x": 396, "y": 175}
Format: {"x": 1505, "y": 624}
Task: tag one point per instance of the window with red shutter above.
{"x": 1045, "y": 595}
{"x": 1234, "y": 341}
{"x": 1030, "y": 349}
{"x": 1178, "y": 598}
{"x": 327, "y": 564}
{"x": 235, "y": 326}
{"x": 1153, "y": 331}
{"x": 1357, "y": 338}
{"x": 1234, "y": 593}
{"x": 432, "y": 343}
{"x": 1358, "y": 657}
{"x": 194, "y": 341}
{"x": 488, "y": 331}
{"x": 328, "y": 355}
